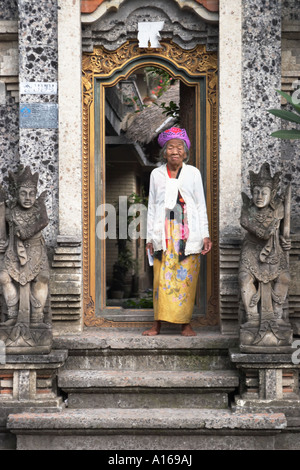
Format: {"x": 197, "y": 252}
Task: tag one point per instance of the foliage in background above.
{"x": 125, "y": 260}
{"x": 133, "y": 103}
{"x": 160, "y": 79}
{"x": 135, "y": 198}
{"x": 171, "y": 110}
{"x": 121, "y": 268}
{"x": 143, "y": 302}
{"x": 289, "y": 116}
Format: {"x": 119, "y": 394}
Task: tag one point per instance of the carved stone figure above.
{"x": 24, "y": 268}
{"x": 264, "y": 266}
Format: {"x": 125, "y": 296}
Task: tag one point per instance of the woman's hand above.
{"x": 149, "y": 246}
{"x": 207, "y": 246}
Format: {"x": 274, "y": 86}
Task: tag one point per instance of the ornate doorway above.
{"x": 197, "y": 70}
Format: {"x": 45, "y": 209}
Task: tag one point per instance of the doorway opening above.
{"x": 137, "y": 110}
{"x": 124, "y": 111}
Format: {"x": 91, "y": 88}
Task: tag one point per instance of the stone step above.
{"x": 144, "y": 389}
{"x": 136, "y": 429}
{"x": 149, "y": 360}
{"x": 110, "y": 348}
{"x": 94, "y": 379}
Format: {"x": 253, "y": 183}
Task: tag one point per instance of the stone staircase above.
{"x": 124, "y": 391}
{"x": 147, "y": 389}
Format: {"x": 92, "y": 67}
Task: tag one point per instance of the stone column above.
{"x": 230, "y": 114}
{"x": 261, "y": 76}
{"x": 66, "y": 280}
{"x": 50, "y": 52}
{"x": 70, "y": 111}
{"x": 250, "y": 72}
{"x": 230, "y": 119}
{"x": 38, "y": 112}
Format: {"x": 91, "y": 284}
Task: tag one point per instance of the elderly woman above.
{"x": 177, "y": 232}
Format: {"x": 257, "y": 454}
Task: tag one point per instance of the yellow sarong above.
{"x": 175, "y": 282}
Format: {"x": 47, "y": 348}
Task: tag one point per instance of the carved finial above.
{"x": 264, "y": 177}
{"x": 24, "y": 177}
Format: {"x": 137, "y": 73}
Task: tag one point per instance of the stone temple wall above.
{"x": 28, "y": 51}
{"x": 9, "y": 88}
{"x": 115, "y": 27}
{"x": 290, "y": 82}
{"x": 9, "y": 10}
{"x": 270, "y": 61}
{"x": 38, "y": 63}
{"x": 290, "y": 150}
{"x": 261, "y": 76}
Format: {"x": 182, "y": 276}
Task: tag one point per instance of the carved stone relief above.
{"x": 264, "y": 265}
{"x": 24, "y": 268}
{"x": 184, "y": 27}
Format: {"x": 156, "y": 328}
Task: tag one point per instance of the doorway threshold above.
{"x": 131, "y": 338}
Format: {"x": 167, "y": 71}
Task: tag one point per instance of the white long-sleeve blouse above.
{"x": 163, "y": 194}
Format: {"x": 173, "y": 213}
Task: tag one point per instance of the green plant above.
{"x": 135, "y": 198}
{"x": 170, "y": 110}
{"x": 121, "y": 268}
{"x": 143, "y": 302}
{"x": 125, "y": 261}
{"x": 289, "y": 116}
{"x": 160, "y": 78}
{"x": 161, "y": 82}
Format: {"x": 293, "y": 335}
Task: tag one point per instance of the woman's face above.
{"x": 175, "y": 152}
{"x": 261, "y": 196}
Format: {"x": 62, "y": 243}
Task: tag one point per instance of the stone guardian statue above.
{"x": 264, "y": 276}
{"x": 24, "y": 268}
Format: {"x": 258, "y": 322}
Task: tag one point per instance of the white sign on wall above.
{"x": 148, "y": 33}
{"x": 38, "y": 88}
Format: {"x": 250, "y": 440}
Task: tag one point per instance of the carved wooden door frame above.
{"x": 106, "y": 68}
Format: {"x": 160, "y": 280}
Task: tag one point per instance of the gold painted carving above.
{"x": 102, "y": 63}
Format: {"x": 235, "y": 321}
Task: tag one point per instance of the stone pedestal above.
{"x": 24, "y": 339}
{"x": 272, "y": 337}
{"x": 269, "y": 383}
{"x": 28, "y": 384}
{"x": 29, "y": 381}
